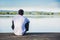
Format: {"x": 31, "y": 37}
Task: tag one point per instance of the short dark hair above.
{"x": 21, "y": 12}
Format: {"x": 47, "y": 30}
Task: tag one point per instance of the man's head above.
{"x": 21, "y": 12}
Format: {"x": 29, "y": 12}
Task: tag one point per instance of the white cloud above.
{"x": 37, "y": 8}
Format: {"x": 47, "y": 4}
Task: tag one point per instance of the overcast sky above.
{"x": 30, "y": 5}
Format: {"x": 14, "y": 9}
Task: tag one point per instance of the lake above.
{"x": 37, "y": 24}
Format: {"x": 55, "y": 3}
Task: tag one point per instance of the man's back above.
{"x": 19, "y": 24}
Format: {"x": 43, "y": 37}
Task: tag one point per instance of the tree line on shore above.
{"x": 29, "y": 13}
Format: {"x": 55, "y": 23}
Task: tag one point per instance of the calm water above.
{"x": 42, "y": 24}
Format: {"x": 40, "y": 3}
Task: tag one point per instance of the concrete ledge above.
{"x": 30, "y": 36}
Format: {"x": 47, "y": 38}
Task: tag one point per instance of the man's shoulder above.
{"x": 24, "y": 17}
{"x": 15, "y": 17}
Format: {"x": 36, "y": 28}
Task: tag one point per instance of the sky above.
{"x": 30, "y": 5}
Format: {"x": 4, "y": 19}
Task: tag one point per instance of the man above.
{"x": 20, "y": 24}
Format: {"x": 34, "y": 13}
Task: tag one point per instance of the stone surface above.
{"x": 30, "y": 36}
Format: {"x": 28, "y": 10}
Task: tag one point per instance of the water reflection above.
{"x": 37, "y": 24}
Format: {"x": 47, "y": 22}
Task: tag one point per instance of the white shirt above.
{"x": 19, "y": 24}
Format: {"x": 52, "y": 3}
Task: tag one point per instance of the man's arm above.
{"x": 12, "y": 25}
{"x": 27, "y": 24}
